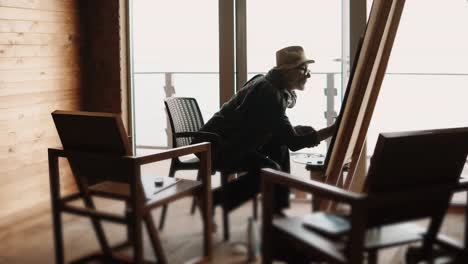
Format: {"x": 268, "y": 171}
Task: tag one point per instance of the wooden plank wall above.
{"x": 40, "y": 71}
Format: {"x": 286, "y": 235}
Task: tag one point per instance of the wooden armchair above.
{"x": 411, "y": 176}
{"x": 99, "y": 155}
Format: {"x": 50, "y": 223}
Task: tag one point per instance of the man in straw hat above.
{"x": 254, "y": 131}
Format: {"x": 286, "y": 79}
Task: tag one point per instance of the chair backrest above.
{"x": 415, "y": 161}
{"x": 184, "y": 116}
{"x": 100, "y": 133}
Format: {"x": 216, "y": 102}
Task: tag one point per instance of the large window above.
{"x": 427, "y": 78}
{"x": 175, "y": 47}
{"x": 315, "y": 25}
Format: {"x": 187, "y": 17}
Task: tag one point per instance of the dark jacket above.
{"x": 255, "y": 115}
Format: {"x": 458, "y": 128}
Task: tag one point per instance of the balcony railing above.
{"x": 330, "y": 92}
{"x": 167, "y": 81}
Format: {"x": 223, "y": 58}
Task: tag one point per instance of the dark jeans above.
{"x": 271, "y": 155}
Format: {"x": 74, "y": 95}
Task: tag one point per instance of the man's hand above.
{"x": 304, "y": 130}
{"x": 327, "y": 132}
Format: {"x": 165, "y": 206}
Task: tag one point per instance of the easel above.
{"x": 361, "y": 96}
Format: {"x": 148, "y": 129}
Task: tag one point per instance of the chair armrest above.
{"x": 270, "y": 176}
{"x": 140, "y": 160}
{"x": 172, "y": 153}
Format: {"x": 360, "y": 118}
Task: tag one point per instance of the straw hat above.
{"x": 291, "y": 57}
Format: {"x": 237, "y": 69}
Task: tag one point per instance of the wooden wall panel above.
{"x": 41, "y": 70}
{"x": 21, "y": 26}
{"x": 36, "y": 39}
{"x": 19, "y": 13}
{"x": 39, "y": 74}
{"x": 25, "y": 87}
{"x": 40, "y": 50}
{"x": 50, "y": 5}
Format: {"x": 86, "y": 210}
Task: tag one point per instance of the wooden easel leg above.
{"x": 154, "y": 238}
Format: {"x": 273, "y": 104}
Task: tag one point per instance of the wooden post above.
{"x": 226, "y": 50}
{"x": 330, "y": 92}
{"x": 241, "y": 43}
{"x": 169, "y": 91}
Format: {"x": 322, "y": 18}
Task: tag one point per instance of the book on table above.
{"x": 326, "y": 224}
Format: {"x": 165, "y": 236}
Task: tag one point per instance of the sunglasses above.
{"x": 304, "y": 70}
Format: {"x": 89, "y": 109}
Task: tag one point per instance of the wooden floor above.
{"x": 29, "y": 240}
{"x": 27, "y": 237}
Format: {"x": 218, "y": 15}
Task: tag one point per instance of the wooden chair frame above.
{"x": 138, "y": 206}
{"x": 359, "y": 204}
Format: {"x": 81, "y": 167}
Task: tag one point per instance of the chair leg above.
{"x": 56, "y": 215}
{"x": 372, "y": 257}
{"x": 154, "y": 238}
{"x": 464, "y": 255}
{"x": 172, "y": 169}
{"x": 206, "y": 214}
{"x": 194, "y": 201}
{"x": 193, "y": 207}
{"x": 137, "y": 238}
{"x": 88, "y": 202}
{"x": 129, "y": 227}
{"x": 224, "y": 201}
{"x": 255, "y": 207}
{"x": 98, "y": 227}
{"x": 225, "y": 224}
{"x": 58, "y": 237}
{"x": 431, "y": 235}
{"x": 162, "y": 218}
